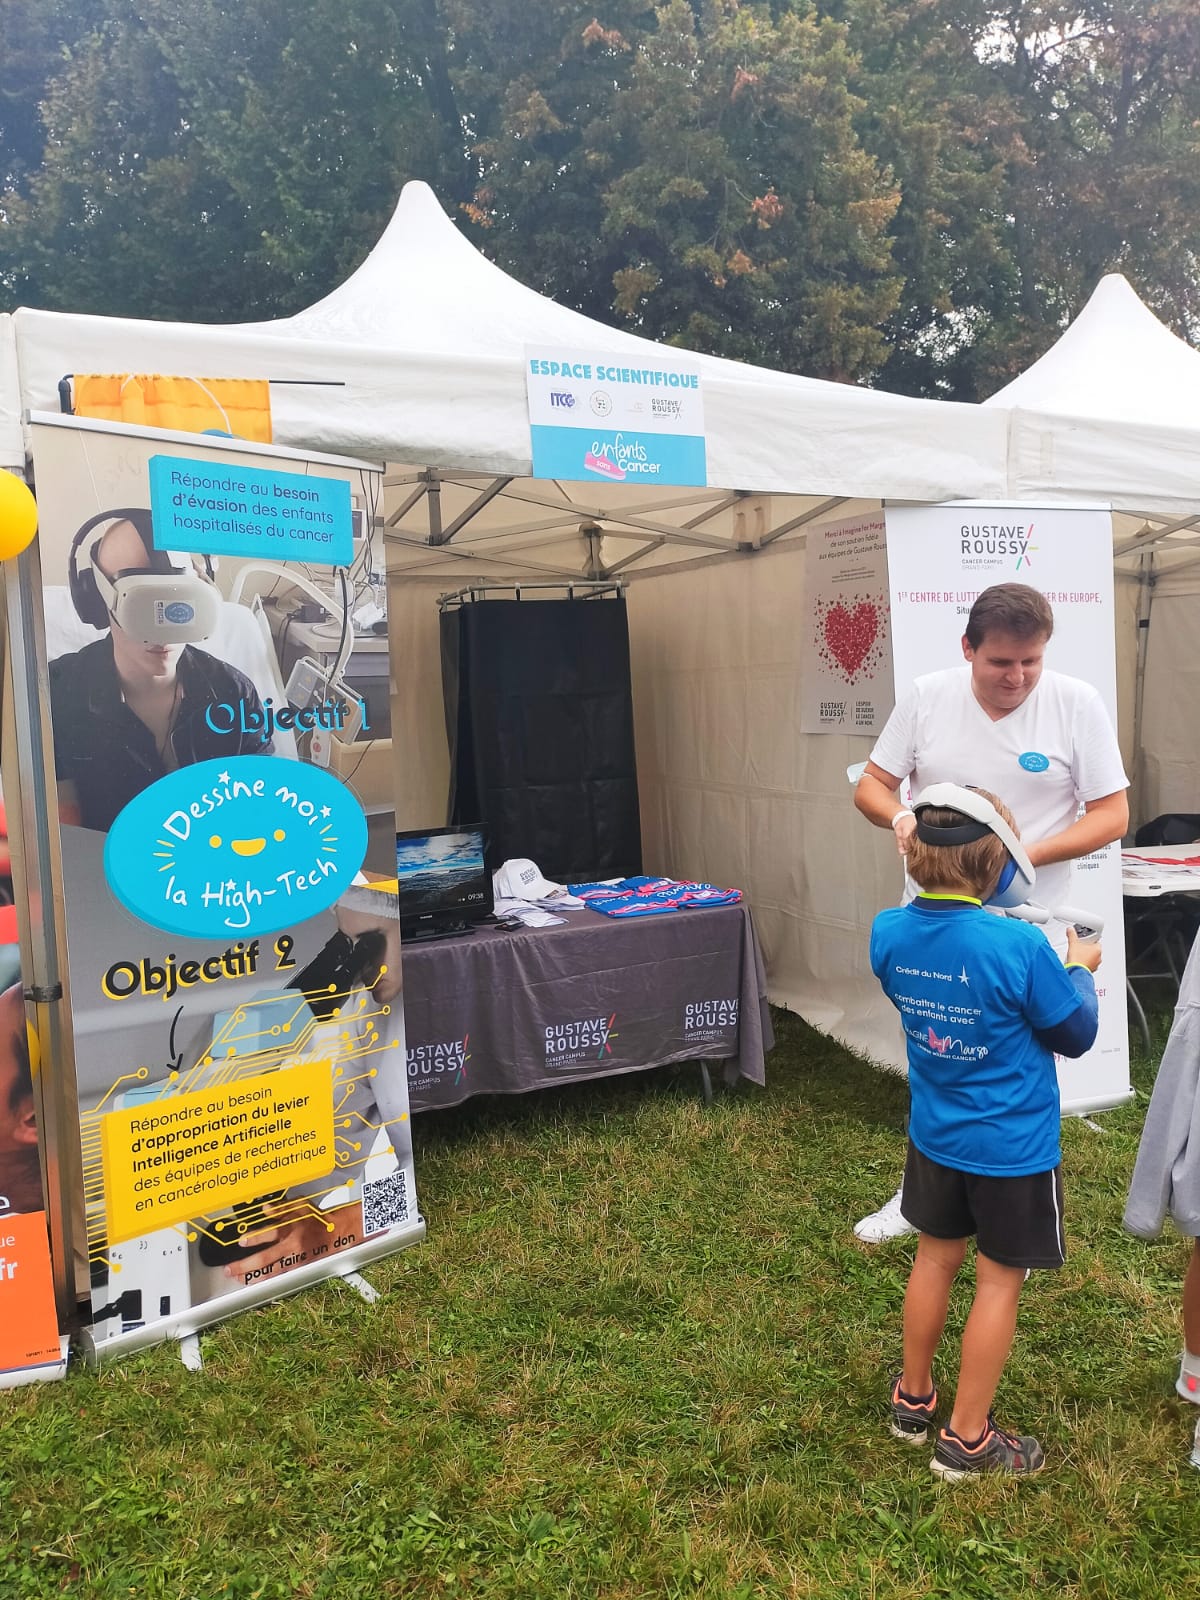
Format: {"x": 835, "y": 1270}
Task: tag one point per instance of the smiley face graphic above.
{"x": 244, "y": 846}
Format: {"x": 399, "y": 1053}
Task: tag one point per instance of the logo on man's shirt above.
{"x": 1033, "y": 761}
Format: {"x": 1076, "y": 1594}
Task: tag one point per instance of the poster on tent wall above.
{"x": 940, "y": 558}
{"x": 846, "y": 672}
{"x": 233, "y": 977}
{"x": 597, "y": 417}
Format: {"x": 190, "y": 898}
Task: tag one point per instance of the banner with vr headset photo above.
{"x": 940, "y": 559}
{"x": 215, "y": 632}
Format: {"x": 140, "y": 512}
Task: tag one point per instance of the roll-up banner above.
{"x": 216, "y": 640}
{"x": 940, "y": 559}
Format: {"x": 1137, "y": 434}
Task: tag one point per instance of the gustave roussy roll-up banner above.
{"x": 215, "y": 640}
{"x": 940, "y": 559}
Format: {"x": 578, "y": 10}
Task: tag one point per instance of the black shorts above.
{"x": 1015, "y": 1221}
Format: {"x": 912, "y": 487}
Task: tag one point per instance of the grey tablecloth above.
{"x": 494, "y": 1012}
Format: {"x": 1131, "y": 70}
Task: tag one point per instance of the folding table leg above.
{"x": 1143, "y": 1025}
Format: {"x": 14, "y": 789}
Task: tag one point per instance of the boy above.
{"x": 985, "y": 1003}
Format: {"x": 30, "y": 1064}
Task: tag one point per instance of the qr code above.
{"x": 385, "y": 1202}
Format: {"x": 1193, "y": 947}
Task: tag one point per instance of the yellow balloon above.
{"x": 18, "y": 516}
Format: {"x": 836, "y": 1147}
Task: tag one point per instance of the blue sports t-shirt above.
{"x": 971, "y": 988}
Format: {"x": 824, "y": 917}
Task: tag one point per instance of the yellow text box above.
{"x": 188, "y": 1156}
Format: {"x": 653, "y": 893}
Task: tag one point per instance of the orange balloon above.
{"x": 18, "y": 516}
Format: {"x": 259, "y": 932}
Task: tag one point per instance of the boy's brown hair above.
{"x": 973, "y": 868}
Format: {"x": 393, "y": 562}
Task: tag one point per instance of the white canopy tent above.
{"x": 1112, "y": 413}
{"x": 418, "y": 360}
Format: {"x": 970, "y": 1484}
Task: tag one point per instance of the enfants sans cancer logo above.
{"x": 246, "y": 845}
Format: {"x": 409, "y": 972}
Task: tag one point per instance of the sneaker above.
{"x": 1187, "y": 1384}
{"x": 911, "y": 1419}
{"x": 886, "y": 1223}
{"x": 997, "y": 1451}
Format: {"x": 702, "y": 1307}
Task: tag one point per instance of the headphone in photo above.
{"x": 1018, "y": 877}
{"x": 164, "y": 603}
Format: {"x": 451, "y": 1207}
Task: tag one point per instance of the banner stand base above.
{"x": 360, "y": 1285}
{"x": 1083, "y": 1109}
{"x": 189, "y": 1352}
{"x": 46, "y": 1372}
{"x": 191, "y": 1322}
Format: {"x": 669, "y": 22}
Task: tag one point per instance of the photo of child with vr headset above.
{"x": 134, "y": 705}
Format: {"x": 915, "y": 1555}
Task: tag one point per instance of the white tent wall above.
{"x": 732, "y": 792}
{"x": 1168, "y": 767}
{"x": 420, "y": 752}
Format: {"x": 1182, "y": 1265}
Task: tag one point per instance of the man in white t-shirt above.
{"x": 1040, "y": 740}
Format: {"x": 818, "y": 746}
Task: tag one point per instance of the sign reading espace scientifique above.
{"x": 615, "y": 418}
{"x": 223, "y": 510}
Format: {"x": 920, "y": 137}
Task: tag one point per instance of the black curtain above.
{"x": 539, "y": 717}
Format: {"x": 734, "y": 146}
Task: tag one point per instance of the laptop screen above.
{"x": 442, "y": 876}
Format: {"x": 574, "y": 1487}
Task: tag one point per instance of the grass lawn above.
{"x": 640, "y": 1354}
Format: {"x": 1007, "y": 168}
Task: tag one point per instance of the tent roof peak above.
{"x": 425, "y": 286}
{"x": 1115, "y": 360}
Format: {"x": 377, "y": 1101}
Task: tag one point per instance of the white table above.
{"x": 1153, "y": 870}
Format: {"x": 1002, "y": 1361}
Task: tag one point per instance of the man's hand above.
{"x": 1082, "y": 952}
{"x": 305, "y": 1237}
{"x": 904, "y": 828}
{"x": 877, "y": 796}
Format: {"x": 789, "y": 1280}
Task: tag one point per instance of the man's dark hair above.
{"x": 1014, "y": 608}
{"x": 22, "y": 1084}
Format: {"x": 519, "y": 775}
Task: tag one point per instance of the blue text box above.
{"x": 622, "y": 456}
{"x": 213, "y": 508}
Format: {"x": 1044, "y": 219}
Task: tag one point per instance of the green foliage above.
{"x": 640, "y": 1354}
{"x": 918, "y": 193}
{"x": 1037, "y": 146}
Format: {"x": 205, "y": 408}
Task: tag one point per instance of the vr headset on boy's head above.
{"x": 164, "y": 603}
{"x": 1018, "y": 877}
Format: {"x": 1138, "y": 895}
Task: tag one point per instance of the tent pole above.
{"x": 1146, "y": 583}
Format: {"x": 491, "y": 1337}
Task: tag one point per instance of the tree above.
{"x": 918, "y": 193}
{"x": 711, "y": 182}
{"x": 1037, "y": 146}
{"x": 124, "y": 214}
{"x": 210, "y": 162}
